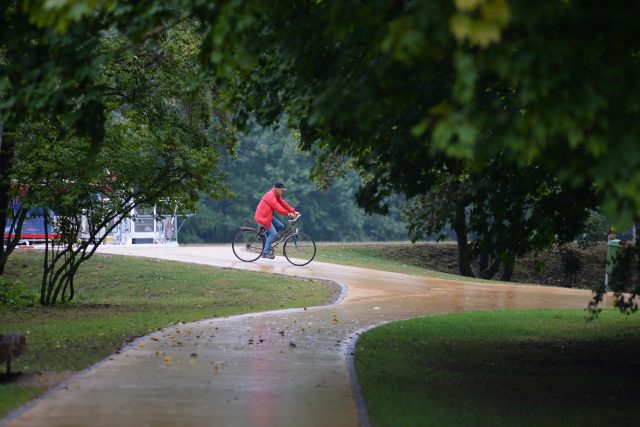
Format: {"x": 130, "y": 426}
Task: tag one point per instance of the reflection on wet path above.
{"x": 284, "y": 368}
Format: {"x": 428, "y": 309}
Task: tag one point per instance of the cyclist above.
{"x": 272, "y": 201}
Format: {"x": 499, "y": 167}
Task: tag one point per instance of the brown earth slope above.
{"x": 544, "y": 268}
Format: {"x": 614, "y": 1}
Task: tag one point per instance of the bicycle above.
{"x": 299, "y": 248}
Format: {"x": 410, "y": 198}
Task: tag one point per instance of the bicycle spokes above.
{"x": 299, "y": 248}
{"x": 247, "y": 245}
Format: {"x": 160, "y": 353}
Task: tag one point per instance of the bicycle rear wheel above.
{"x": 247, "y": 245}
{"x": 299, "y": 249}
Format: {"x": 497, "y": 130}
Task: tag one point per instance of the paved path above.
{"x": 285, "y": 368}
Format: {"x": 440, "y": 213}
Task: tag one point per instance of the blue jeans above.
{"x": 276, "y": 225}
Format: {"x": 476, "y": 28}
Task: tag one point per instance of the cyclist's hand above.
{"x": 292, "y": 215}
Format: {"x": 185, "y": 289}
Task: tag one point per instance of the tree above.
{"x": 37, "y": 69}
{"x": 161, "y": 148}
{"x": 507, "y": 211}
{"x": 49, "y": 65}
{"x": 459, "y": 79}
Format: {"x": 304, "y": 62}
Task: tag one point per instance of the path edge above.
{"x": 350, "y": 350}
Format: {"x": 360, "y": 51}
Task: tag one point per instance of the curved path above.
{"x": 284, "y": 368}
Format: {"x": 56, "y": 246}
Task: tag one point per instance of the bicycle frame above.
{"x": 287, "y": 232}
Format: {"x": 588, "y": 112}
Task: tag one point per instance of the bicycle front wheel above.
{"x": 247, "y": 245}
{"x": 299, "y": 249}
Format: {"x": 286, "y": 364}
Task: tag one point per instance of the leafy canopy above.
{"x": 387, "y": 82}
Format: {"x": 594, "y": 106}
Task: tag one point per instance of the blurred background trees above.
{"x": 266, "y": 155}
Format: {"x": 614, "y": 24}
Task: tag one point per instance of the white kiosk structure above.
{"x": 146, "y": 226}
{"x": 143, "y": 226}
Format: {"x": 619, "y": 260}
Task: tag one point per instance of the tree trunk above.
{"x": 460, "y": 227}
{"x": 7, "y": 153}
{"x": 491, "y": 270}
{"x": 45, "y": 268}
{"x": 483, "y": 261}
{"x": 508, "y": 268}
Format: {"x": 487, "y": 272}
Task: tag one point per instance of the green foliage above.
{"x": 13, "y": 294}
{"x": 595, "y": 231}
{"x": 405, "y": 88}
{"x": 50, "y": 64}
{"x": 268, "y": 155}
{"x": 625, "y": 279}
{"x": 507, "y": 211}
{"x": 164, "y": 136}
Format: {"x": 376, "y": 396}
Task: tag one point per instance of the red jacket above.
{"x": 271, "y": 202}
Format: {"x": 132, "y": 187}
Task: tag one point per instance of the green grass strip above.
{"x": 11, "y": 397}
{"x": 511, "y": 368}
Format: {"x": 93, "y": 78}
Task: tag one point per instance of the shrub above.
{"x": 14, "y": 295}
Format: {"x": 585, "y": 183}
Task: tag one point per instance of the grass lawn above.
{"x": 120, "y": 298}
{"x": 13, "y": 396}
{"x": 503, "y": 368}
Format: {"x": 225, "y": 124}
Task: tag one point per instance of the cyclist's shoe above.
{"x": 269, "y": 255}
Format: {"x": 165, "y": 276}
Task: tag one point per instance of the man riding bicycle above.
{"x": 270, "y": 202}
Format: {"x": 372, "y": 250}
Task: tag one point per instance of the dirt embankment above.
{"x": 546, "y": 268}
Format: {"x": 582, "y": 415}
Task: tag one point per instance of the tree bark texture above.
{"x": 464, "y": 255}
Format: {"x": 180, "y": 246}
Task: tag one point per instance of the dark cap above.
{"x": 279, "y": 185}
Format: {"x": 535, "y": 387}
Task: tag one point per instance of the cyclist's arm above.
{"x": 277, "y": 206}
{"x": 286, "y": 205}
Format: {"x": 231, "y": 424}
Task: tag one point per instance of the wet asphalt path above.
{"x": 283, "y": 368}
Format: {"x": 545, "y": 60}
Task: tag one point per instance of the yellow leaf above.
{"x": 467, "y": 5}
{"x": 460, "y": 26}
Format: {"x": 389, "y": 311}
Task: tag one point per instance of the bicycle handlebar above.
{"x": 292, "y": 220}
